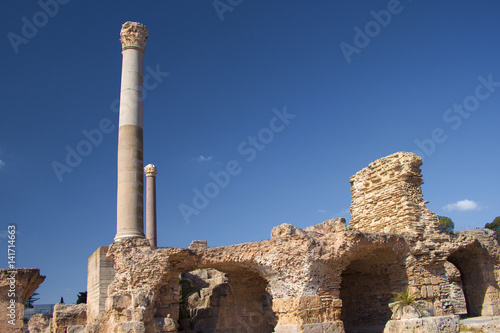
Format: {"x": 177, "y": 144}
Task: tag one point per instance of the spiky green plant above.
{"x": 405, "y": 299}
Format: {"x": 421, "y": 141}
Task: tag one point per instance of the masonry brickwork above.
{"x": 386, "y": 195}
{"x": 330, "y": 277}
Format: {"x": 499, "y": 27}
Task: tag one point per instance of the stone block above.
{"x": 76, "y": 329}
{"x": 165, "y": 324}
{"x": 312, "y": 328}
{"x": 118, "y": 302}
{"x": 336, "y": 303}
{"x": 285, "y": 230}
{"x": 336, "y": 326}
{"x": 309, "y": 302}
{"x": 142, "y": 299}
{"x": 40, "y": 323}
{"x": 287, "y": 328}
{"x": 198, "y": 245}
{"x": 441, "y": 324}
{"x": 100, "y": 274}
{"x": 66, "y": 315}
{"x": 128, "y": 327}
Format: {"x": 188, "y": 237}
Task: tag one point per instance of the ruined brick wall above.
{"x": 323, "y": 278}
{"x": 386, "y": 195}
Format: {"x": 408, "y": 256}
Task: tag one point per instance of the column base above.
{"x": 124, "y": 236}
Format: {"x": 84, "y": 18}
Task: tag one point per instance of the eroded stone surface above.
{"x": 442, "y": 324}
{"x": 16, "y": 286}
{"x": 325, "y": 278}
{"x": 69, "y": 315}
{"x": 386, "y": 196}
{"x": 40, "y": 323}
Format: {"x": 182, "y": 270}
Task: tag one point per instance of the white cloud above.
{"x": 2, "y": 164}
{"x": 205, "y": 159}
{"x": 322, "y": 211}
{"x": 462, "y": 206}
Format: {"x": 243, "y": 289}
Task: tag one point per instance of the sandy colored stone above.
{"x": 66, "y": 315}
{"x": 442, "y": 324}
{"x": 326, "y": 277}
{"x": 16, "y": 286}
{"x": 40, "y": 323}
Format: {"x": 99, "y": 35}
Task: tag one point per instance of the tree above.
{"x": 61, "y": 301}
{"x": 32, "y": 299}
{"x": 495, "y": 226}
{"x": 446, "y": 224}
{"x": 82, "y": 297}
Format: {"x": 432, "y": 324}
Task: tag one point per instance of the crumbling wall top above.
{"x": 386, "y": 195}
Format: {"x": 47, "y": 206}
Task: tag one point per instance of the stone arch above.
{"x": 225, "y": 301}
{"x": 225, "y": 298}
{"x": 480, "y": 287}
{"x": 366, "y": 287}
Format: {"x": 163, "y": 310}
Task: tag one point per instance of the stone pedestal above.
{"x": 130, "y": 147}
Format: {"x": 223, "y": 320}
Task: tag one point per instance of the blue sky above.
{"x": 353, "y": 81}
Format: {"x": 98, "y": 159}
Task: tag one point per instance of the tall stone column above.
{"x": 130, "y": 179}
{"x": 150, "y": 171}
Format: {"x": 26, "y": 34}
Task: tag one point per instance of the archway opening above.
{"x": 231, "y": 301}
{"x": 477, "y": 276}
{"x": 366, "y": 290}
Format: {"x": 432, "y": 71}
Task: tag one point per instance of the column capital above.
{"x": 133, "y": 34}
{"x": 150, "y": 170}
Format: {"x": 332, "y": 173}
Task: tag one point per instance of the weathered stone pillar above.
{"x": 150, "y": 171}
{"x": 100, "y": 275}
{"x": 130, "y": 161}
{"x": 16, "y": 286}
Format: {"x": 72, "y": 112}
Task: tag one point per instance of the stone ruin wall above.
{"x": 386, "y": 196}
{"x": 322, "y": 276}
{"x": 304, "y": 280}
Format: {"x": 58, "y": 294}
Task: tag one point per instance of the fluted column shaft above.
{"x": 129, "y": 205}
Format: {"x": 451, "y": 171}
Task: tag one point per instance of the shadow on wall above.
{"x": 480, "y": 288}
{"x": 211, "y": 300}
{"x": 366, "y": 289}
